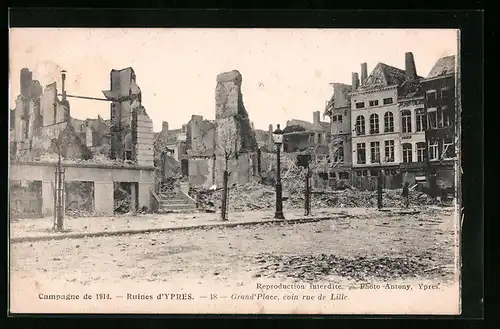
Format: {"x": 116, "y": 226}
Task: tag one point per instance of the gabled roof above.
{"x": 383, "y": 75}
{"x": 443, "y": 66}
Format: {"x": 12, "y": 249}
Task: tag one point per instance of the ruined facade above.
{"x": 338, "y": 108}
{"x": 131, "y": 128}
{"x": 44, "y": 131}
{"x": 441, "y": 111}
{"x": 234, "y": 137}
{"x": 27, "y": 116}
{"x": 300, "y": 135}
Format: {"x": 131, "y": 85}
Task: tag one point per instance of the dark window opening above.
{"x": 360, "y": 125}
{"x": 431, "y": 95}
{"x": 420, "y": 120}
{"x": 407, "y": 153}
{"x": 360, "y": 105}
{"x": 388, "y": 122}
{"x": 361, "y": 153}
{"x": 389, "y": 151}
{"x": 406, "y": 121}
{"x": 375, "y": 152}
{"x": 388, "y": 101}
{"x": 374, "y": 124}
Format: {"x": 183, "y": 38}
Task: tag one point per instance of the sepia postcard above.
{"x": 234, "y": 171}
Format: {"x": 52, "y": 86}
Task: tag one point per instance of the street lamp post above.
{"x": 278, "y": 140}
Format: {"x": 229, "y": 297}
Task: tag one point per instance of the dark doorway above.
{"x": 185, "y": 168}
{"x": 79, "y": 198}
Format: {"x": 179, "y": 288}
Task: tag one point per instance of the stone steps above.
{"x": 172, "y": 200}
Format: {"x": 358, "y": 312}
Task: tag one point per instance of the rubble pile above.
{"x": 312, "y": 267}
{"x": 96, "y": 159}
{"x": 122, "y": 198}
{"x": 256, "y": 196}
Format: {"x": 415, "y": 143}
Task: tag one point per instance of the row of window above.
{"x": 445, "y": 93}
{"x": 375, "y": 152}
{"x": 374, "y": 124}
{"x": 448, "y": 151}
{"x": 435, "y": 119}
{"x": 385, "y": 101}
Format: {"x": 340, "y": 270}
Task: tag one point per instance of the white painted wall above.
{"x": 381, "y": 137}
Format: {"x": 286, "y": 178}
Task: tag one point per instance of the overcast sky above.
{"x": 286, "y": 72}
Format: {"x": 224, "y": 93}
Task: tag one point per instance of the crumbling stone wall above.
{"x": 200, "y": 136}
{"x": 26, "y": 116}
{"x": 234, "y": 136}
{"x": 230, "y": 110}
{"x": 131, "y": 128}
{"x": 53, "y": 110}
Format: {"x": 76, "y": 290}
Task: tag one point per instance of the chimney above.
{"x": 411, "y": 70}
{"x": 252, "y": 126}
{"x": 355, "y": 81}
{"x": 164, "y": 126}
{"x": 63, "y": 79}
{"x": 316, "y": 117}
{"x": 364, "y": 72}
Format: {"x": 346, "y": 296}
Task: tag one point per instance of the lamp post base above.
{"x": 279, "y": 215}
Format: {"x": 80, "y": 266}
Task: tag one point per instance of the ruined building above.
{"x": 300, "y": 135}
{"x": 42, "y": 122}
{"x": 338, "y": 108}
{"x": 45, "y": 132}
{"x": 441, "y": 114}
{"x": 131, "y": 128}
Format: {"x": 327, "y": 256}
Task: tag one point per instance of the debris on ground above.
{"x": 256, "y": 196}
{"x": 313, "y": 267}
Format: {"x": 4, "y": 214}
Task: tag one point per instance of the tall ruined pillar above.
{"x": 234, "y": 134}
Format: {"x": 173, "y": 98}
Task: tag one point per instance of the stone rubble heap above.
{"x": 255, "y": 196}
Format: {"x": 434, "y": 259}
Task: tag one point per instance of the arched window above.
{"x": 388, "y": 122}
{"x": 406, "y": 121}
{"x": 421, "y": 152}
{"x": 374, "y": 126}
{"x": 420, "y": 120}
{"x": 360, "y": 125}
{"x": 407, "y": 153}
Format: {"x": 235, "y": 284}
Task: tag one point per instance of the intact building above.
{"x": 375, "y": 118}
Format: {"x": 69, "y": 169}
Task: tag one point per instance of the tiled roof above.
{"x": 410, "y": 89}
{"x": 443, "y": 66}
{"x": 383, "y": 75}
